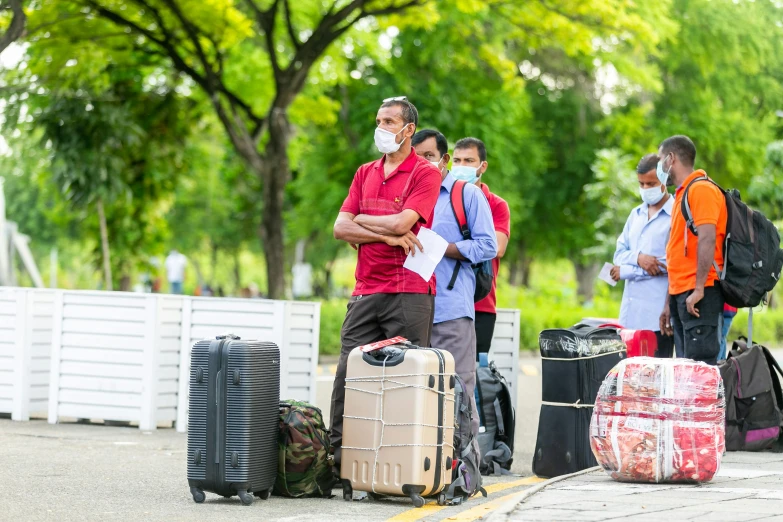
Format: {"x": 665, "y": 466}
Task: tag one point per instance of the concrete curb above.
{"x": 501, "y": 514}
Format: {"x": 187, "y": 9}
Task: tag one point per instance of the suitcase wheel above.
{"x": 198, "y": 495}
{"x": 418, "y": 501}
{"x": 246, "y": 497}
{"x": 263, "y": 495}
{"x": 347, "y": 491}
{"x": 442, "y": 499}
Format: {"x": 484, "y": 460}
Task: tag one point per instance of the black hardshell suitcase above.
{"x": 233, "y": 418}
{"x": 574, "y": 364}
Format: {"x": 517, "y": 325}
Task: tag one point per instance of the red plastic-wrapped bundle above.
{"x": 659, "y": 420}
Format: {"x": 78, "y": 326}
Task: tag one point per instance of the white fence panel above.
{"x": 293, "y": 326}
{"x": 300, "y": 346}
{"x": 505, "y": 348}
{"x": 126, "y": 357}
{"x": 108, "y": 353}
{"x": 10, "y": 336}
{"x": 25, "y": 336}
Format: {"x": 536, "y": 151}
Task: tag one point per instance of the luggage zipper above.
{"x": 482, "y": 419}
{"x": 441, "y": 403}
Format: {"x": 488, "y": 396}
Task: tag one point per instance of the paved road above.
{"x": 74, "y": 472}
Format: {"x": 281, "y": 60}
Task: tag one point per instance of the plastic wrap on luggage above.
{"x": 579, "y": 346}
{"x": 659, "y": 420}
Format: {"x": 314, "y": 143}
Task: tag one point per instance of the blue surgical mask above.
{"x": 651, "y": 196}
{"x": 465, "y": 173}
{"x": 665, "y": 177}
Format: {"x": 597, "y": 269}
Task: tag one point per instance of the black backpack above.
{"x": 483, "y": 271}
{"x": 754, "y": 400}
{"x": 497, "y": 420}
{"x": 752, "y": 258}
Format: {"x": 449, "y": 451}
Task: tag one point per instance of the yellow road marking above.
{"x": 319, "y": 370}
{"x": 482, "y": 510}
{"x": 412, "y": 515}
{"x": 529, "y": 370}
{"x": 332, "y": 369}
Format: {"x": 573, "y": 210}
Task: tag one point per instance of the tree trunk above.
{"x": 513, "y": 272}
{"x": 213, "y": 279}
{"x": 585, "y": 279}
{"x": 125, "y": 283}
{"x": 237, "y": 274}
{"x": 105, "y": 246}
{"x": 275, "y": 174}
{"x": 525, "y": 263}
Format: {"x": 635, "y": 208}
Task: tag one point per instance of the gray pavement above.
{"x": 83, "y": 472}
{"x": 748, "y": 487}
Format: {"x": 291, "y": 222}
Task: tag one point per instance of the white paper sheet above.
{"x": 605, "y": 274}
{"x": 424, "y": 263}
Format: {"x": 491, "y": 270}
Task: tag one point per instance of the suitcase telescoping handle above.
{"x": 228, "y": 335}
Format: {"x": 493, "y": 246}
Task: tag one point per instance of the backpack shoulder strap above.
{"x": 775, "y": 372}
{"x": 685, "y": 206}
{"x": 458, "y": 207}
{"x": 457, "y": 197}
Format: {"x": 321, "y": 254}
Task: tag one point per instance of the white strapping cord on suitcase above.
{"x": 577, "y": 404}
{"x": 401, "y": 385}
{"x": 582, "y": 358}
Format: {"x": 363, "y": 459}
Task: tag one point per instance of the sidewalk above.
{"x": 748, "y": 487}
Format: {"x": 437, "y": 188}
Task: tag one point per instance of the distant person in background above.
{"x": 729, "y": 312}
{"x": 175, "y": 271}
{"x": 640, "y": 258}
{"x": 470, "y": 164}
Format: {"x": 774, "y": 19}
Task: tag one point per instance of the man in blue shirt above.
{"x": 453, "y": 328}
{"x": 640, "y": 258}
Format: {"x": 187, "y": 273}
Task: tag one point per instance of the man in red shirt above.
{"x": 470, "y": 163}
{"x": 389, "y": 200}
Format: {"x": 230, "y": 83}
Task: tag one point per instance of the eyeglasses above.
{"x": 396, "y": 98}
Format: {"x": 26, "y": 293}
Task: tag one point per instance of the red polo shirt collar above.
{"x": 406, "y": 166}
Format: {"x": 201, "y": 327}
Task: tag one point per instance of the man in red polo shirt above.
{"x": 470, "y": 164}
{"x": 389, "y": 200}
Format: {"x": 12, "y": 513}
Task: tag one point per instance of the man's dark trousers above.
{"x": 372, "y": 318}
{"x": 698, "y": 338}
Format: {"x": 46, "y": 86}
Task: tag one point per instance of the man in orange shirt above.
{"x": 694, "y": 307}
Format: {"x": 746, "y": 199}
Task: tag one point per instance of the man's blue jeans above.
{"x": 728, "y": 317}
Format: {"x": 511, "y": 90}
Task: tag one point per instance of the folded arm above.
{"x": 346, "y": 229}
{"x": 393, "y": 225}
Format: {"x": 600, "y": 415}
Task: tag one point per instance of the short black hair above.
{"x": 682, "y": 147}
{"x": 647, "y": 163}
{"x": 409, "y": 112}
{"x": 425, "y": 134}
{"x": 467, "y": 143}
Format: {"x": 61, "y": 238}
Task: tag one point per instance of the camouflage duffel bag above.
{"x": 304, "y": 467}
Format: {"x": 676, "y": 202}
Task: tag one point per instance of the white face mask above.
{"x": 387, "y": 141}
{"x": 652, "y": 196}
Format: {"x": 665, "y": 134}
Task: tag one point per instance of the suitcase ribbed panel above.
{"x": 253, "y": 406}
{"x": 197, "y": 414}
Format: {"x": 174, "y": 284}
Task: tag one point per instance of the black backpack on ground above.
{"x": 751, "y": 377}
{"x": 483, "y": 271}
{"x": 496, "y": 419}
{"x": 752, "y": 258}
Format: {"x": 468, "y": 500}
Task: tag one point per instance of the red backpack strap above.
{"x": 458, "y": 206}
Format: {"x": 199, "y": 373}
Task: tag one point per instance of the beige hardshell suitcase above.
{"x": 398, "y": 429}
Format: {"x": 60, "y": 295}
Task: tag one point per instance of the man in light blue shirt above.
{"x": 453, "y": 328}
{"x": 640, "y": 258}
